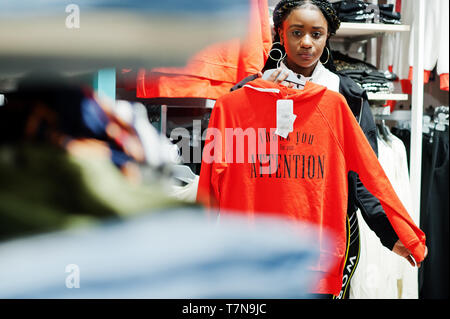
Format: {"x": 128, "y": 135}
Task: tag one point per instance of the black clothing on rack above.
{"x": 405, "y": 136}
{"x": 434, "y": 273}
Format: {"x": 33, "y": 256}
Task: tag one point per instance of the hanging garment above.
{"x": 405, "y": 136}
{"x": 436, "y": 53}
{"x": 398, "y": 49}
{"x": 332, "y": 81}
{"x": 214, "y": 70}
{"x": 382, "y": 274}
{"x": 434, "y": 272}
{"x": 305, "y": 177}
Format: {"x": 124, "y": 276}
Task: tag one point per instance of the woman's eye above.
{"x": 317, "y": 35}
{"x": 296, "y": 33}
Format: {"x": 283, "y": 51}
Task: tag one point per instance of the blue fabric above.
{"x": 170, "y": 254}
{"x": 119, "y": 158}
{"x": 93, "y": 117}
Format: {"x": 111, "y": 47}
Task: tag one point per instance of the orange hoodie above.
{"x": 214, "y": 70}
{"x": 306, "y": 176}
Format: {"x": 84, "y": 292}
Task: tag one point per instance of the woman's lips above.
{"x": 305, "y": 56}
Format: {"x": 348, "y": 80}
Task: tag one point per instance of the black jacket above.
{"x": 358, "y": 195}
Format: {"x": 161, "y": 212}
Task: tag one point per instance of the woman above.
{"x": 302, "y": 31}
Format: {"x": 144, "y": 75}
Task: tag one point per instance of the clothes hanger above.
{"x": 379, "y": 136}
{"x": 441, "y": 115}
{"x": 385, "y": 133}
{"x": 183, "y": 173}
{"x": 442, "y": 121}
{"x": 290, "y": 78}
{"x": 426, "y": 125}
{"x": 389, "y": 133}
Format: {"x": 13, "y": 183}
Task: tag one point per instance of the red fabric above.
{"x": 406, "y": 83}
{"x": 215, "y": 69}
{"x": 398, "y": 6}
{"x": 391, "y": 105}
{"x": 444, "y": 81}
{"x": 426, "y": 75}
{"x": 406, "y": 86}
{"x": 310, "y": 183}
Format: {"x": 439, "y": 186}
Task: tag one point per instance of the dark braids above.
{"x": 285, "y": 7}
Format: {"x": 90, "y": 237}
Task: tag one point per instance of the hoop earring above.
{"x": 327, "y": 57}
{"x": 281, "y": 58}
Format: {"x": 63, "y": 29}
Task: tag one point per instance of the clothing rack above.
{"x": 417, "y": 98}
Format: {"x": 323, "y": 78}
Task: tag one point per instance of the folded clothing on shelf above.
{"x": 348, "y": 6}
{"x": 364, "y": 74}
{"x": 362, "y": 12}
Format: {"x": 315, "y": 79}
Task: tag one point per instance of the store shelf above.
{"x": 360, "y": 31}
{"x": 387, "y": 96}
{"x": 170, "y": 102}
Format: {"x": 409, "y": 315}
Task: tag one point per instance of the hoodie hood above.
{"x": 282, "y": 92}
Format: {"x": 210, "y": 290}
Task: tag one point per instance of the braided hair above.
{"x": 285, "y": 7}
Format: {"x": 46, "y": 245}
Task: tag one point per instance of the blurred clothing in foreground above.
{"x": 170, "y": 254}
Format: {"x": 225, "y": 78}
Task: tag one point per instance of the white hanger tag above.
{"x": 285, "y": 117}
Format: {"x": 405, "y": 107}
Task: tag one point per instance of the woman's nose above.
{"x": 306, "y": 42}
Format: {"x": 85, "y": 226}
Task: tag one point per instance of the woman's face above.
{"x": 304, "y": 34}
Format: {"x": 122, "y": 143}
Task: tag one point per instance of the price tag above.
{"x": 285, "y": 117}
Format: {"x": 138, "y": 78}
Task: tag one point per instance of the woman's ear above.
{"x": 280, "y": 35}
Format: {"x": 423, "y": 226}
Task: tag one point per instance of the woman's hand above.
{"x": 401, "y": 250}
{"x": 278, "y": 76}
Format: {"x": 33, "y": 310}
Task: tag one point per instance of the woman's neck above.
{"x": 307, "y": 72}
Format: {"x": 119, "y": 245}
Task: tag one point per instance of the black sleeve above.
{"x": 370, "y": 206}
{"x": 365, "y": 119}
{"x": 243, "y": 82}
{"x": 374, "y": 215}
